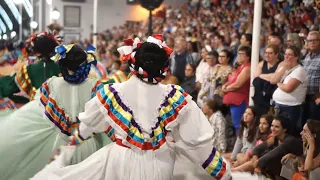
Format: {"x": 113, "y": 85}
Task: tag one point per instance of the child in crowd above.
{"x": 246, "y": 138}
{"x": 263, "y": 134}
{"x": 300, "y": 174}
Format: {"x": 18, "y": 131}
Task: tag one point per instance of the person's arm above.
{"x": 221, "y": 135}
{"x": 242, "y": 78}
{"x": 8, "y": 86}
{"x": 310, "y": 162}
{"x": 266, "y": 77}
{"x": 289, "y": 145}
{"x": 297, "y": 76}
{"x": 92, "y": 121}
{"x": 258, "y": 70}
{"x": 192, "y": 135}
{"x": 237, "y": 148}
{"x": 275, "y": 77}
{"x": 290, "y": 86}
{"x": 258, "y": 150}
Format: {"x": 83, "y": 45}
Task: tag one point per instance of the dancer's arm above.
{"x": 193, "y": 137}
{"x": 92, "y": 121}
{"x": 8, "y": 86}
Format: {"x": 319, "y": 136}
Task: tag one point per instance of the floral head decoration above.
{"x": 84, "y": 68}
{"x": 129, "y": 50}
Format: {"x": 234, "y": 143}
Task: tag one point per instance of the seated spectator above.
{"x": 218, "y": 123}
{"x": 277, "y": 146}
{"x": 263, "y": 135}
{"x": 311, "y": 146}
{"x": 264, "y": 89}
{"x": 189, "y": 83}
{"x": 311, "y": 137}
{"x": 301, "y": 173}
{"x": 246, "y": 137}
{"x": 237, "y": 89}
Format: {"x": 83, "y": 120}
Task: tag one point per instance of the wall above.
{"x": 110, "y": 13}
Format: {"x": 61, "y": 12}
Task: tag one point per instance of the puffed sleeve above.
{"x": 193, "y": 136}
{"x": 92, "y": 121}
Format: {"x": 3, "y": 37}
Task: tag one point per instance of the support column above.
{"x": 95, "y": 15}
{"x": 255, "y": 43}
{"x": 20, "y": 25}
{"x": 32, "y": 17}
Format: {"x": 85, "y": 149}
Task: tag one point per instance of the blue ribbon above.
{"x": 62, "y": 50}
{"x": 90, "y": 48}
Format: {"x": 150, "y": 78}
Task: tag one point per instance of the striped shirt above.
{"x": 311, "y": 64}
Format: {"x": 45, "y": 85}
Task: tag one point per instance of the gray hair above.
{"x": 296, "y": 40}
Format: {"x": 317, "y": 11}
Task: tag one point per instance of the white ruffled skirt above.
{"x": 111, "y": 162}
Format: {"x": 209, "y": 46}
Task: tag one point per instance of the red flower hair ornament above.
{"x": 129, "y": 50}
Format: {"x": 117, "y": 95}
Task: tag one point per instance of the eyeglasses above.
{"x": 287, "y": 54}
{"x": 241, "y": 54}
{"x": 312, "y": 40}
{"x": 268, "y": 53}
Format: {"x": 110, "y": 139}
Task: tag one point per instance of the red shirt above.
{"x": 237, "y": 96}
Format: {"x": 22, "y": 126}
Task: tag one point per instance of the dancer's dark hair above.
{"x": 75, "y": 67}
{"x": 151, "y": 58}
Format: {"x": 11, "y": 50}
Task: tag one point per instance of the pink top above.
{"x": 237, "y": 96}
{"x": 259, "y": 141}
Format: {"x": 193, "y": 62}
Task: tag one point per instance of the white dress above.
{"x": 148, "y": 124}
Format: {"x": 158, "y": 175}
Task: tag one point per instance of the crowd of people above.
{"x": 211, "y": 60}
